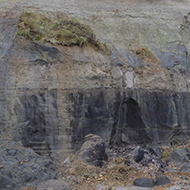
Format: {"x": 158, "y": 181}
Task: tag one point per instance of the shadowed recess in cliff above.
{"x": 117, "y": 121}
{"x": 127, "y": 117}
{"x": 37, "y": 120}
{"x": 129, "y": 126}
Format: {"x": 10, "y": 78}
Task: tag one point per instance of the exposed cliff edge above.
{"x": 54, "y": 95}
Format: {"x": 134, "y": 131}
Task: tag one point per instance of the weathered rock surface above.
{"x": 51, "y": 97}
{"x": 22, "y": 166}
{"x": 93, "y": 150}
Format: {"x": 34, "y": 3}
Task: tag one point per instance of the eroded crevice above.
{"x": 130, "y": 126}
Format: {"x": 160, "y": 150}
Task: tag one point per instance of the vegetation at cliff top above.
{"x": 58, "y": 28}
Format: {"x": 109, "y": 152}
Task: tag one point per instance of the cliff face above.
{"x": 52, "y": 95}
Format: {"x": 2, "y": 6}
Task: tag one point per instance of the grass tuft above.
{"x": 58, "y": 29}
{"x": 146, "y": 54}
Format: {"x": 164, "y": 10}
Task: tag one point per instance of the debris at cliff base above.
{"x": 121, "y": 170}
{"x": 59, "y": 29}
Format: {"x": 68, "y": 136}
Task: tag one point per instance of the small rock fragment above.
{"x": 144, "y": 182}
{"x": 162, "y": 180}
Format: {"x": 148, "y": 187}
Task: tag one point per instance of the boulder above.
{"x": 162, "y": 180}
{"x": 93, "y": 150}
{"x": 138, "y": 154}
{"x": 144, "y": 182}
{"x": 53, "y": 184}
{"x": 178, "y": 156}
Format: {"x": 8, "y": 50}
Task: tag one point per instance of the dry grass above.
{"x": 151, "y": 63}
{"x": 58, "y": 29}
{"x": 146, "y": 54}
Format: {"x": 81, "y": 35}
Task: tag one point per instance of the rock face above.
{"x": 53, "y": 96}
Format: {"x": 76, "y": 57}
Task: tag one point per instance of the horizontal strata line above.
{"x": 159, "y": 90}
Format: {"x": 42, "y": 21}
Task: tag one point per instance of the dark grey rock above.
{"x": 22, "y": 166}
{"x": 53, "y": 184}
{"x": 162, "y": 180}
{"x": 128, "y": 162}
{"x": 162, "y": 163}
{"x": 122, "y": 117}
{"x": 155, "y": 150}
{"x": 144, "y": 182}
{"x": 11, "y": 152}
{"x": 5, "y": 182}
{"x": 185, "y": 168}
{"x": 116, "y": 62}
{"x": 178, "y": 156}
{"x": 33, "y": 128}
{"x": 188, "y": 155}
{"x": 93, "y": 150}
{"x": 138, "y": 154}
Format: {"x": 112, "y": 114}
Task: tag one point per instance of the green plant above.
{"x": 58, "y": 29}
